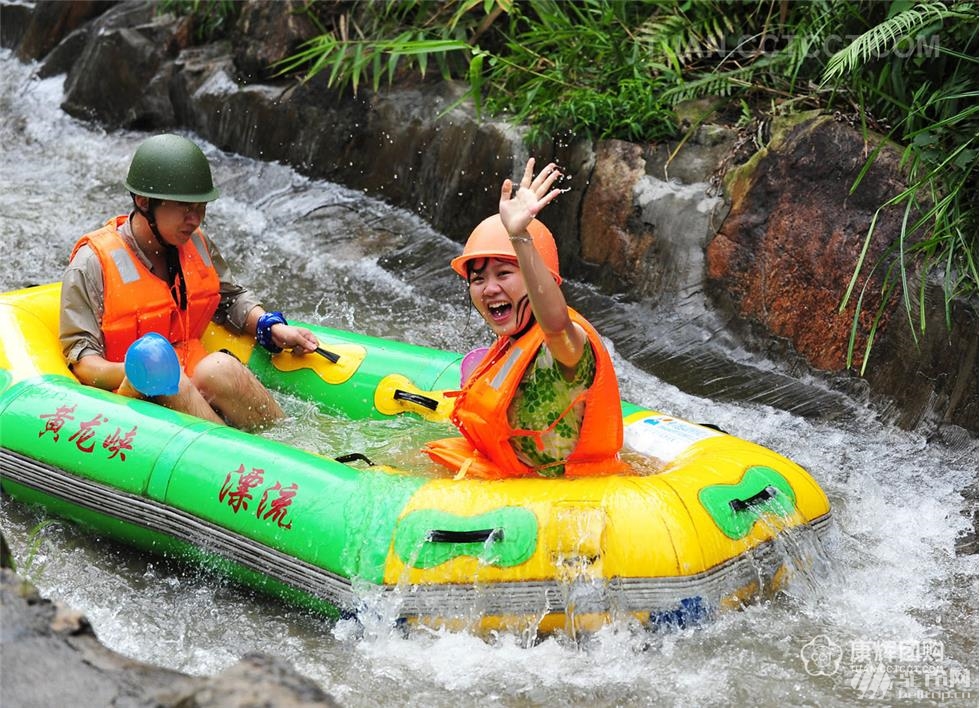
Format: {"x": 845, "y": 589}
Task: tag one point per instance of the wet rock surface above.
{"x": 645, "y": 223}
{"x": 784, "y": 256}
{"x": 781, "y": 233}
{"x": 52, "y": 657}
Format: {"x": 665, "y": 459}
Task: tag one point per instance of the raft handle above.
{"x": 474, "y": 536}
{"x": 354, "y": 457}
{"x": 760, "y": 498}
{"x": 417, "y": 399}
{"x": 713, "y": 426}
{"x": 328, "y": 355}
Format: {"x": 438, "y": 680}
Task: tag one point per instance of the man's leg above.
{"x": 187, "y": 400}
{"x": 234, "y": 392}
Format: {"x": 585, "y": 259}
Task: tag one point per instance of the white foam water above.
{"x": 887, "y": 593}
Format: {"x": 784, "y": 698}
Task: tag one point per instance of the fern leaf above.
{"x": 883, "y": 37}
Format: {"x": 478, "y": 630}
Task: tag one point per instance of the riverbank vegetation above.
{"x": 904, "y": 72}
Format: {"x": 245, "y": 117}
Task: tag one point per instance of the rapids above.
{"x": 891, "y": 599}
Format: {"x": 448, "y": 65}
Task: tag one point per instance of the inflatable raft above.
{"x": 700, "y": 535}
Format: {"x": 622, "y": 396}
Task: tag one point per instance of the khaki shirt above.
{"x": 83, "y": 293}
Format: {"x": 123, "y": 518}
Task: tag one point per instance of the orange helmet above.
{"x": 491, "y": 240}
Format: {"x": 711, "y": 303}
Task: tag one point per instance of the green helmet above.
{"x": 171, "y": 167}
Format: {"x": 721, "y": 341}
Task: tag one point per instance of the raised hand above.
{"x": 518, "y": 206}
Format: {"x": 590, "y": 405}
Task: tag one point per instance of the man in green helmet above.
{"x": 155, "y": 271}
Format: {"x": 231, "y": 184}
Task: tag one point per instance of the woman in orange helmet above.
{"x": 544, "y": 399}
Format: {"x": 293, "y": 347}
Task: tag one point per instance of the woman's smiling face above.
{"x": 499, "y": 294}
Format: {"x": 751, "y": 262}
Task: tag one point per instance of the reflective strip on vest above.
{"x": 202, "y": 250}
{"x": 498, "y": 380}
{"x": 125, "y": 265}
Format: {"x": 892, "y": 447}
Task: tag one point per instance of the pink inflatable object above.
{"x": 470, "y": 361}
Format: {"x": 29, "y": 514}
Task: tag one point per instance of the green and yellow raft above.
{"x": 700, "y": 535}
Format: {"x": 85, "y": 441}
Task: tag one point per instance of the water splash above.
{"x": 899, "y": 499}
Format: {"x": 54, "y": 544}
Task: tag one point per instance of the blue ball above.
{"x": 152, "y": 366}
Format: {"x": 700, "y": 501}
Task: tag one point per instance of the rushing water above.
{"x": 895, "y": 597}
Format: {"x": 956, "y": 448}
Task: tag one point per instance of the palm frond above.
{"x": 723, "y": 83}
{"x": 884, "y": 37}
{"x": 685, "y": 39}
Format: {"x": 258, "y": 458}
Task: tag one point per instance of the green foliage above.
{"x": 576, "y": 68}
{"x": 919, "y": 68}
{"x": 618, "y": 68}
{"x": 882, "y": 38}
{"x": 212, "y": 18}
{"x": 628, "y": 112}
{"x": 376, "y": 41}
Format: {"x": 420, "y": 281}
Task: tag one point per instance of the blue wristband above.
{"x": 263, "y": 330}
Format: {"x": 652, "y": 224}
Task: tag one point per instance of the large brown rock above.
{"x": 784, "y": 257}
{"x": 51, "y": 20}
{"x": 265, "y": 33}
{"x": 786, "y": 252}
{"x": 134, "y": 47}
{"x": 608, "y": 236}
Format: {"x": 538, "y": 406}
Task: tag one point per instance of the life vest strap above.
{"x": 538, "y": 435}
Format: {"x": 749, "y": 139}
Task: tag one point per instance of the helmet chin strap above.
{"x": 175, "y": 275}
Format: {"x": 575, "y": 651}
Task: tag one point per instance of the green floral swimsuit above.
{"x": 543, "y": 395}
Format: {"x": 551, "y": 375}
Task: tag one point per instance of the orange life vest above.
{"x": 137, "y": 302}
{"x": 480, "y": 413}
